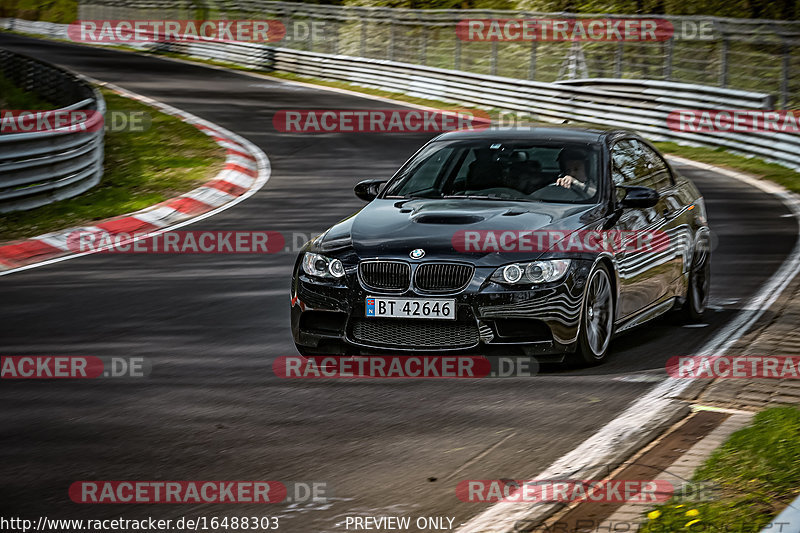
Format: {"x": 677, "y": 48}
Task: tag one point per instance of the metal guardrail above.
{"x": 640, "y": 105}
{"x": 747, "y": 54}
{"x": 50, "y": 164}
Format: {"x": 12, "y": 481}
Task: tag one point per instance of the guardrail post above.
{"x": 423, "y": 49}
{"x": 532, "y": 69}
{"x": 723, "y": 66}
{"x": 785, "y": 76}
{"x": 390, "y": 52}
{"x": 202, "y": 10}
{"x": 307, "y": 43}
{"x": 494, "y": 58}
{"x": 457, "y": 54}
{"x": 618, "y": 61}
{"x": 363, "y": 38}
{"x": 670, "y": 45}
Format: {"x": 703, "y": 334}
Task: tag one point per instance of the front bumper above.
{"x": 329, "y": 316}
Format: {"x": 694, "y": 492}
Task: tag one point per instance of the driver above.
{"x": 573, "y": 172}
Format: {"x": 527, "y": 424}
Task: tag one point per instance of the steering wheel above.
{"x": 572, "y": 192}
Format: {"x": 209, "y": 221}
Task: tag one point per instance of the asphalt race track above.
{"x": 211, "y": 326}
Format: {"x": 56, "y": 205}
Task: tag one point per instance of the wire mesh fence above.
{"x": 736, "y": 53}
{"x": 651, "y": 107}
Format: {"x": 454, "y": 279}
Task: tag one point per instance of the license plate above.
{"x": 411, "y": 308}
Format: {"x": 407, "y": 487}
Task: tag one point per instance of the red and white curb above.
{"x": 246, "y": 170}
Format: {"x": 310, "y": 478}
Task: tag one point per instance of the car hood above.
{"x": 392, "y": 228}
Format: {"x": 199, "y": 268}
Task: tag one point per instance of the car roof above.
{"x": 558, "y": 133}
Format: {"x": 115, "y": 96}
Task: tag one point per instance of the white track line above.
{"x": 619, "y": 437}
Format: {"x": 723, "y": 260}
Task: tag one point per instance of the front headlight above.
{"x": 322, "y": 267}
{"x": 535, "y": 272}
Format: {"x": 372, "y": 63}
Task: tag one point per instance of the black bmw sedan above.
{"x": 546, "y": 241}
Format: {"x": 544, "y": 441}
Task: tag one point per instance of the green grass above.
{"x": 61, "y": 11}
{"x": 757, "y": 471}
{"x": 722, "y": 158}
{"x": 142, "y": 168}
{"x": 12, "y": 97}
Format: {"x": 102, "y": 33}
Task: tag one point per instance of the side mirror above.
{"x": 641, "y": 197}
{"x": 368, "y": 190}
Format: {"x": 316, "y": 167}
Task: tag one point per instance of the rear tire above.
{"x": 699, "y": 285}
{"x": 597, "y": 319}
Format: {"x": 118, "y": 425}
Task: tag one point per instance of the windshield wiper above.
{"x": 496, "y": 198}
{"x": 472, "y": 197}
{"x": 423, "y": 196}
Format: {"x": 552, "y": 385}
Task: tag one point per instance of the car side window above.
{"x": 623, "y": 163}
{"x": 657, "y": 171}
{"x": 635, "y": 164}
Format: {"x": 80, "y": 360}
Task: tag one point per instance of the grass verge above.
{"x": 141, "y": 168}
{"x": 751, "y": 165}
{"x": 757, "y": 472}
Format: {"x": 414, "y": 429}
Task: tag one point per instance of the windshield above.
{"x": 506, "y": 170}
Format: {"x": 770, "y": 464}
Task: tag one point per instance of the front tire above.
{"x": 597, "y": 318}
